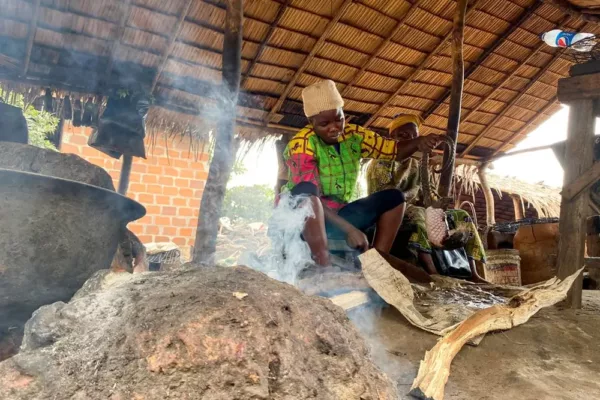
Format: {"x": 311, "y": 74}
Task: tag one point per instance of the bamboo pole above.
{"x": 458, "y": 77}
{"x": 490, "y": 208}
{"x": 223, "y": 157}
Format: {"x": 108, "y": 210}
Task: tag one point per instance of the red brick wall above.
{"x": 169, "y": 187}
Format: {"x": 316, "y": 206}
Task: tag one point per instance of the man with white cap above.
{"x": 323, "y": 161}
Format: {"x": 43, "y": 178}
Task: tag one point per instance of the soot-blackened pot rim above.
{"x": 130, "y": 209}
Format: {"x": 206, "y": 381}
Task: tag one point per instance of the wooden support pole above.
{"x": 519, "y": 209}
{"x": 458, "y": 77}
{"x": 282, "y": 172}
{"x": 125, "y": 173}
{"x": 223, "y": 157}
{"x": 579, "y": 156}
{"x": 31, "y": 36}
{"x": 490, "y": 208}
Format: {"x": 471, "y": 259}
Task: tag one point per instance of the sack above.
{"x": 453, "y": 263}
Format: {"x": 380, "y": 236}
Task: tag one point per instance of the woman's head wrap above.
{"x": 403, "y": 119}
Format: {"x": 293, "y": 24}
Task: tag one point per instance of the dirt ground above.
{"x": 556, "y": 355}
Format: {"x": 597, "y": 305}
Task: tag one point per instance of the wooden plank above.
{"x": 440, "y": 46}
{"x": 434, "y": 370}
{"x": 172, "y": 38}
{"x": 31, "y": 36}
{"x": 322, "y": 39}
{"x": 263, "y": 44}
{"x": 579, "y": 156}
{"x": 583, "y": 182}
{"x": 458, "y": 80}
{"x": 381, "y": 47}
{"x": 224, "y": 152}
{"x": 351, "y": 300}
{"x": 578, "y": 88}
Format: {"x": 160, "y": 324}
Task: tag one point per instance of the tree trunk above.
{"x": 223, "y": 157}
{"x": 458, "y": 75}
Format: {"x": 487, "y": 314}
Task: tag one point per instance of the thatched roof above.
{"x": 543, "y": 198}
{"x": 387, "y": 56}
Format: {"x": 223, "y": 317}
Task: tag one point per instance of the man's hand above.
{"x": 357, "y": 240}
{"x": 428, "y": 143}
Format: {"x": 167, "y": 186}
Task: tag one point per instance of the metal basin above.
{"x": 54, "y": 234}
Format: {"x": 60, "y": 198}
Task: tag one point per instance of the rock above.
{"x": 184, "y": 335}
{"x": 23, "y": 157}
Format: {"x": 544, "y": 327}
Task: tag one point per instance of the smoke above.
{"x": 289, "y": 254}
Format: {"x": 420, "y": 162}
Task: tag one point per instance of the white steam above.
{"x": 289, "y": 254}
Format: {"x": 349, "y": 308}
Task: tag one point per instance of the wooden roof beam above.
{"x": 171, "y": 43}
{"x": 557, "y": 56}
{"x": 568, "y": 8}
{"x": 481, "y": 59}
{"x": 533, "y": 120}
{"x": 413, "y": 75}
{"x": 328, "y": 29}
{"x": 381, "y": 47}
{"x": 125, "y": 14}
{"x": 533, "y": 80}
{"x": 263, "y": 44}
{"x": 31, "y": 36}
{"x": 511, "y": 75}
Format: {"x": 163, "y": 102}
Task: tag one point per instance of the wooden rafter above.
{"x": 490, "y": 50}
{"x": 264, "y": 43}
{"x": 381, "y": 47}
{"x": 416, "y": 71}
{"x": 518, "y": 97}
{"x": 31, "y": 36}
{"x": 125, "y": 14}
{"x": 338, "y": 15}
{"x": 508, "y": 77}
{"x": 171, "y": 43}
{"x": 539, "y": 115}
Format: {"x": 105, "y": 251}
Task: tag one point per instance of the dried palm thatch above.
{"x": 386, "y": 57}
{"x": 544, "y": 199}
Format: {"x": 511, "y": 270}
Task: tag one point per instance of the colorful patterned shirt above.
{"x": 334, "y": 170}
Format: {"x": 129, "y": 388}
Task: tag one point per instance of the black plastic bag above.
{"x": 121, "y": 128}
{"x": 13, "y": 126}
{"x": 77, "y": 113}
{"x": 67, "y": 112}
{"x": 48, "y": 101}
{"x": 88, "y": 111}
{"x": 454, "y": 263}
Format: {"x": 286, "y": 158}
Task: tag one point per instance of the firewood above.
{"x": 435, "y": 368}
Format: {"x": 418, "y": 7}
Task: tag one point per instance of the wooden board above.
{"x": 579, "y": 88}
{"x": 351, "y": 300}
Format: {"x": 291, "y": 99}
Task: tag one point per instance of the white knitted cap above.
{"x": 321, "y": 96}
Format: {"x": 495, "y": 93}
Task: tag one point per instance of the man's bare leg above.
{"x": 314, "y": 233}
{"x": 387, "y": 228}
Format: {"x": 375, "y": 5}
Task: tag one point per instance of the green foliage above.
{"x": 40, "y": 125}
{"x": 250, "y": 203}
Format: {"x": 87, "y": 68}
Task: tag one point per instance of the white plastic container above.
{"x": 559, "y": 38}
